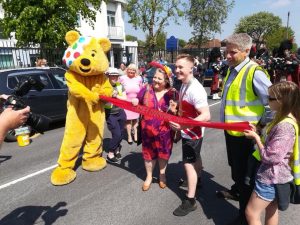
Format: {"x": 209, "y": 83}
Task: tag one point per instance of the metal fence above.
{"x": 170, "y": 56}
{"x": 14, "y": 57}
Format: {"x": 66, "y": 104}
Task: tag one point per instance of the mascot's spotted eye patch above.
{"x": 75, "y": 50}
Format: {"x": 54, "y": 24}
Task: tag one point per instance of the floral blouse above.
{"x": 276, "y": 155}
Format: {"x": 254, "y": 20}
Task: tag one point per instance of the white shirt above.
{"x": 193, "y": 96}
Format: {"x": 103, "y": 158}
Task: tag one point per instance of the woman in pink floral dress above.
{"x": 157, "y": 136}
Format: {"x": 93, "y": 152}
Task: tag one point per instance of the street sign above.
{"x": 172, "y": 44}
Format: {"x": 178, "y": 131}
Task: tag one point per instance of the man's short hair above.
{"x": 188, "y": 57}
{"x": 242, "y": 40}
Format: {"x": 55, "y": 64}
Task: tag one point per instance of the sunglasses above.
{"x": 272, "y": 99}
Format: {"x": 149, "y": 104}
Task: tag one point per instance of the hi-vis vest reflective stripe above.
{"x": 241, "y": 102}
{"x": 119, "y": 89}
{"x": 295, "y": 162}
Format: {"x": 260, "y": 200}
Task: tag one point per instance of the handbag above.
{"x": 176, "y": 136}
{"x": 295, "y": 193}
{"x": 139, "y": 128}
{"x": 283, "y": 193}
{"x": 139, "y": 132}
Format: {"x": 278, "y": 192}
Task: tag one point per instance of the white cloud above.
{"x": 279, "y": 3}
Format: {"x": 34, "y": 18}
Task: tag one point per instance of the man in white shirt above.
{"x": 192, "y": 104}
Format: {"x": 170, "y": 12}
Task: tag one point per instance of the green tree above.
{"x": 141, "y": 43}
{"x": 130, "y": 38}
{"x": 206, "y": 18}
{"x": 161, "y": 40}
{"x": 45, "y": 22}
{"x": 274, "y": 38}
{"x": 181, "y": 43}
{"x": 152, "y": 16}
{"x": 258, "y": 25}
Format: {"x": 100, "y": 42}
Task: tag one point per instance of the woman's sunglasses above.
{"x": 272, "y": 99}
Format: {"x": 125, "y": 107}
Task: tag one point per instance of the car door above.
{"x": 57, "y": 76}
{"x": 43, "y": 102}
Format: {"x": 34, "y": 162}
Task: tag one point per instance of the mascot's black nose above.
{"x": 85, "y": 62}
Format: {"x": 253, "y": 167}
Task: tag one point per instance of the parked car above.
{"x": 176, "y": 83}
{"x": 50, "y": 101}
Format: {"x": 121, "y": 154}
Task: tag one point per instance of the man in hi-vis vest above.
{"x": 244, "y": 98}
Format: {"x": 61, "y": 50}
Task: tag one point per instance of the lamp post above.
{"x": 287, "y": 26}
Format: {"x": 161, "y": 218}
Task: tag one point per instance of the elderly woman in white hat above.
{"x": 115, "y": 116}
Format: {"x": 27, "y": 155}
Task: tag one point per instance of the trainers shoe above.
{"x": 185, "y": 208}
{"x": 228, "y": 195}
{"x": 112, "y": 160}
{"x": 118, "y": 155}
{"x": 183, "y": 183}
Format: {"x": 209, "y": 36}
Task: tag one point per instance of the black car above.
{"x": 50, "y": 101}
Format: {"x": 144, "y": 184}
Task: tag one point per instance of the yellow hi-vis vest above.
{"x": 241, "y": 102}
{"x": 295, "y": 161}
{"x": 109, "y": 105}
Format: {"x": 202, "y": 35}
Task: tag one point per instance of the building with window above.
{"x": 109, "y": 23}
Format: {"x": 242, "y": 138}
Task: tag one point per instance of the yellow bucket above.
{"x": 22, "y": 134}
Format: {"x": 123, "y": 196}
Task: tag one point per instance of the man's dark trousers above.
{"x": 239, "y": 149}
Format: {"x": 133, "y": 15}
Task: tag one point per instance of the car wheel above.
{"x": 10, "y": 136}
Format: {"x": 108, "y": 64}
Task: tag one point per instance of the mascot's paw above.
{"x": 61, "y": 176}
{"x": 97, "y": 88}
{"x": 94, "y": 164}
{"x": 92, "y": 99}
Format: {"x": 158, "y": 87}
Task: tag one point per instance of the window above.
{"x": 60, "y": 80}
{"x": 111, "y": 16}
{"x": 6, "y": 61}
{"x": 46, "y": 81}
{"x": 13, "y": 80}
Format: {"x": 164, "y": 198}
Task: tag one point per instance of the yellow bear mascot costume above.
{"x": 86, "y": 61}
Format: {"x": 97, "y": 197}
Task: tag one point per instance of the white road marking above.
{"x": 44, "y": 170}
{"x": 215, "y": 103}
{"x": 27, "y": 177}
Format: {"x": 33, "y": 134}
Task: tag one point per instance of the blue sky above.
{"x": 242, "y": 8}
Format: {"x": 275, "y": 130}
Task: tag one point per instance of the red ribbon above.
{"x": 239, "y": 126}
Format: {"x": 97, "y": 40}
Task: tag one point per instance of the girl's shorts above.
{"x": 265, "y": 191}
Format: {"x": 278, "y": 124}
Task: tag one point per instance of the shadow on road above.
{"x": 4, "y": 158}
{"x": 28, "y": 215}
{"x": 218, "y": 210}
{"x": 132, "y": 162}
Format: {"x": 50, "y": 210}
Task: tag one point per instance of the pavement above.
{"x": 113, "y": 196}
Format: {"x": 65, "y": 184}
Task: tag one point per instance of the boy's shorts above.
{"x": 191, "y": 150}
